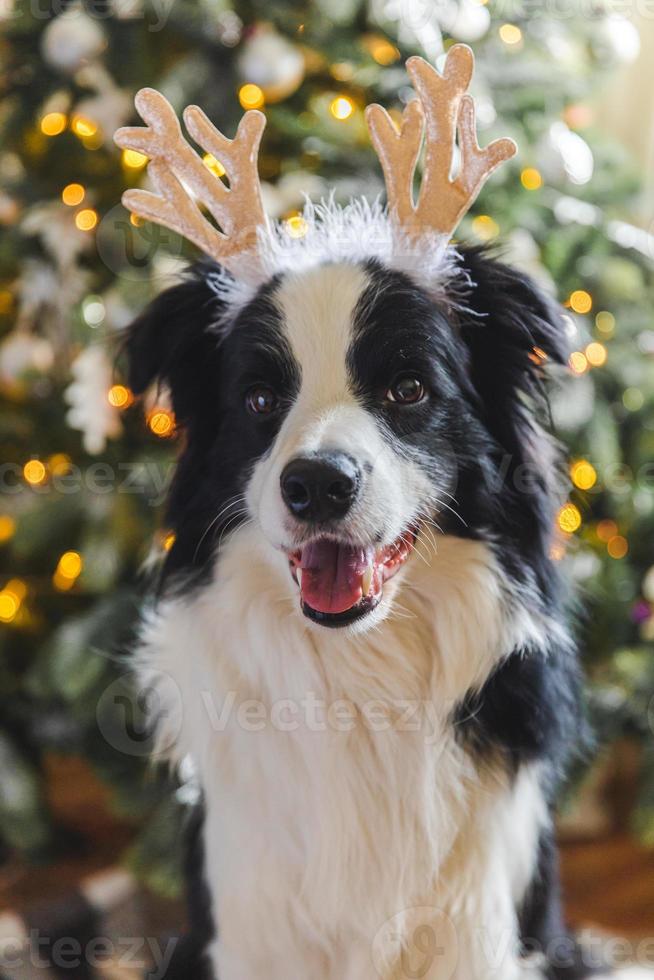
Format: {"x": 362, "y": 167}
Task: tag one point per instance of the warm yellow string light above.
{"x": 7, "y": 528}
{"x": 531, "y": 179}
{"x": 214, "y": 165}
{"x": 83, "y": 127}
{"x": 510, "y": 34}
{"x": 341, "y": 107}
{"x": 73, "y": 194}
{"x": 9, "y": 606}
{"x": 161, "y": 422}
{"x": 251, "y": 96}
{"x": 382, "y": 50}
{"x": 133, "y": 160}
{"x": 119, "y": 396}
{"x": 59, "y": 464}
{"x": 485, "y": 227}
{"x": 34, "y": 472}
{"x": 68, "y": 570}
{"x": 580, "y": 301}
{"x": 569, "y": 518}
{"x": 168, "y": 540}
{"x": 596, "y": 354}
{"x": 53, "y": 123}
{"x": 583, "y": 474}
{"x": 86, "y": 219}
{"x": 296, "y": 226}
{"x": 606, "y": 530}
{"x": 578, "y": 362}
{"x": 617, "y": 546}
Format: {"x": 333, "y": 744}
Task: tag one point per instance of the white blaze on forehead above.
{"x": 318, "y": 308}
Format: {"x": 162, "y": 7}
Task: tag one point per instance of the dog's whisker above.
{"x": 229, "y": 524}
{"x": 232, "y": 502}
{"x": 442, "y": 503}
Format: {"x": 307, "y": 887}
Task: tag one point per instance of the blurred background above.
{"x": 83, "y": 469}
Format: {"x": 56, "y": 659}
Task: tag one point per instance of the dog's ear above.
{"x": 172, "y": 341}
{"x": 512, "y": 330}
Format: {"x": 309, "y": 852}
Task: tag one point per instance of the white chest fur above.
{"x": 348, "y": 834}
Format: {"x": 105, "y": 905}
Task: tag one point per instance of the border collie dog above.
{"x": 360, "y": 636}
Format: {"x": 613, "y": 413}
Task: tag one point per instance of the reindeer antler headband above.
{"x": 182, "y": 182}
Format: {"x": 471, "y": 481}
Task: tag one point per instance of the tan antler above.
{"x": 442, "y": 109}
{"x": 175, "y": 166}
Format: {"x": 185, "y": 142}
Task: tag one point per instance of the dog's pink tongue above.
{"x": 331, "y": 575}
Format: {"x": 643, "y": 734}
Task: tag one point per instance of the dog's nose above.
{"x": 320, "y": 488}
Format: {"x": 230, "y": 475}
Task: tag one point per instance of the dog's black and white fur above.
{"x": 378, "y": 781}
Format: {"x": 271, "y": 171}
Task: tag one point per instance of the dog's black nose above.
{"x": 322, "y": 487}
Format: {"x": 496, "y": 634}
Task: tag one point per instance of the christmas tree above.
{"x": 85, "y": 468}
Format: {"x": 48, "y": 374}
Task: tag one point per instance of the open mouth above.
{"x": 341, "y": 583}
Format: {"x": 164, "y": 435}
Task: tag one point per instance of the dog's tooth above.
{"x": 298, "y": 575}
{"x": 366, "y": 580}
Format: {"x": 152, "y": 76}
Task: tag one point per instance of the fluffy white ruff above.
{"x": 329, "y": 850}
{"x": 355, "y": 232}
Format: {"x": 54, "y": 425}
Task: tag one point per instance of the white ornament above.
{"x": 90, "y": 411}
{"x": 110, "y": 108}
{"x": 467, "y": 20}
{"x": 271, "y": 62}
{"x": 22, "y": 353}
{"x": 565, "y": 154}
{"x": 72, "y": 39}
{"x": 619, "y": 39}
{"x": 414, "y": 22}
{"x": 54, "y": 224}
{"x": 43, "y": 304}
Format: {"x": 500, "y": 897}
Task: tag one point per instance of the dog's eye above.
{"x": 261, "y": 400}
{"x": 406, "y": 390}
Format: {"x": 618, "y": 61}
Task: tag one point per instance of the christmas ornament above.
{"x": 43, "y": 304}
{"x": 110, "y": 107}
{"x": 229, "y": 28}
{"x": 617, "y": 39}
{"x": 90, "y": 410}
{"x": 271, "y": 62}
{"x": 442, "y": 111}
{"x": 22, "y": 353}
{"x": 414, "y": 23}
{"x": 54, "y": 224}
{"x": 72, "y": 39}
{"x": 563, "y": 154}
{"x": 466, "y": 20}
